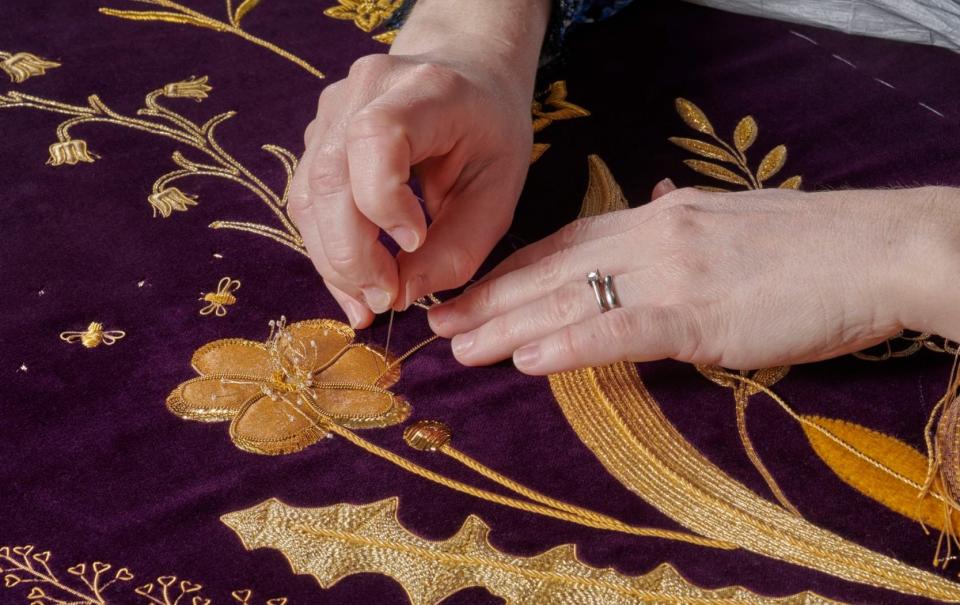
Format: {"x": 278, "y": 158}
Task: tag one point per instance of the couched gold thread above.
{"x": 617, "y": 418}
{"x": 22, "y": 66}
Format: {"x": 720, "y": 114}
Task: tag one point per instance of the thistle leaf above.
{"x": 793, "y": 182}
{"x": 245, "y": 7}
{"x": 703, "y": 149}
{"x": 341, "y": 540}
{"x": 718, "y": 172}
{"x": 745, "y": 134}
{"x": 772, "y": 163}
{"x": 603, "y": 193}
{"x": 694, "y": 116}
{"x": 161, "y": 16}
{"x": 879, "y": 466}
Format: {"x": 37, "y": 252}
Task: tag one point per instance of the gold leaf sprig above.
{"x": 333, "y": 542}
{"x": 183, "y": 15}
{"x": 157, "y": 119}
{"x": 22, "y": 66}
{"x": 744, "y": 136}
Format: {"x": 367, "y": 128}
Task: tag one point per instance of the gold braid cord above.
{"x": 337, "y": 541}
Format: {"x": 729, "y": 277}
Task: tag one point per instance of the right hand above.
{"x": 461, "y": 126}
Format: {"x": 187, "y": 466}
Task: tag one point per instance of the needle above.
{"x": 386, "y": 348}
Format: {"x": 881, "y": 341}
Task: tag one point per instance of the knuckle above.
{"x": 441, "y": 76}
{"x": 463, "y": 263}
{"x": 681, "y": 222}
{"x": 564, "y": 307}
{"x": 369, "y": 66}
{"x": 326, "y": 175}
{"x": 551, "y": 269}
{"x": 342, "y": 257}
{"x": 371, "y": 123}
{"x": 571, "y": 233}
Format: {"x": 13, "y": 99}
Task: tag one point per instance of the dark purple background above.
{"x": 92, "y": 466}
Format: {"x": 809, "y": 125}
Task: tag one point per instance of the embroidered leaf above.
{"x": 341, "y": 540}
{"x": 712, "y": 189}
{"x": 767, "y": 377}
{"x": 718, "y": 172}
{"x": 793, "y": 182}
{"x": 162, "y": 16}
{"x": 745, "y": 134}
{"x": 538, "y": 150}
{"x": 772, "y": 164}
{"x": 694, "y": 116}
{"x": 245, "y": 7}
{"x": 879, "y": 466}
{"x": 704, "y": 149}
{"x": 603, "y": 193}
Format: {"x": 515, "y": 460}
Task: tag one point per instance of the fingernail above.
{"x": 462, "y": 343}
{"x": 666, "y": 183}
{"x": 406, "y": 238}
{"x": 413, "y": 289}
{"x": 439, "y": 314}
{"x": 526, "y": 357}
{"x": 354, "y": 312}
{"x": 377, "y": 299}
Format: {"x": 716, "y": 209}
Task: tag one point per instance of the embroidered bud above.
{"x": 70, "y": 152}
{"x": 427, "y": 435}
{"x": 170, "y": 199}
{"x": 22, "y": 66}
{"x": 194, "y": 88}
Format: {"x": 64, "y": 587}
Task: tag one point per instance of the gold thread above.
{"x": 93, "y": 336}
{"x": 367, "y": 15}
{"x": 337, "y": 541}
{"x": 553, "y": 107}
{"x": 20, "y": 67}
{"x": 223, "y": 297}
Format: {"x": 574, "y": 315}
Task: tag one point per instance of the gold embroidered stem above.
{"x": 187, "y": 16}
{"x": 429, "y": 475}
{"x": 403, "y": 357}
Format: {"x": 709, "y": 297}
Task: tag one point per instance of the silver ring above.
{"x": 603, "y": 290}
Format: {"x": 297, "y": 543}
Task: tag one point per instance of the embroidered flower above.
{"x": 194, "y": 88}
{"x": 278, "y": 395}
{"x": 170, "y": 199}
{"x": 21, "y": 66}
{"x": 70, "y": 152}
{"x": 366, "y": 14}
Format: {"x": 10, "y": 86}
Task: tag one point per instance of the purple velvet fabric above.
{"x": 93, "y": 466}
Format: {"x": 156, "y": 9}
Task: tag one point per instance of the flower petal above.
{"x": 212, "y": 398}
{"x": 361, "y": 409}
{"x": 322, "y": 339}
{"x": 362, "y": 364}
{"x": 233, "y": 356}
{"x": 273, "y": 427}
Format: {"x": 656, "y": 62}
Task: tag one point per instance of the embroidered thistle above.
{"x": 366, "y": 14}
{"x": 170, "y": 199}
{"x": 194, "y": 88}
{"x": 22, "y": 66}
{"x": 70, "y": 152}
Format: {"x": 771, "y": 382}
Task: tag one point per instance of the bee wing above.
{"x": 112, "y": 336}
{"x": 208, "y": 309}
{"x": 71, "y": 337}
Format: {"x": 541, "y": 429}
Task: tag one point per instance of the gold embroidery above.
{"x": 338, "y": 541}
{"x": 93, "y": 336}
{"x": 554, "y": 107}
{"x": 219, "y": 301}
{"x": 156, "y": 119}
{"x": 603, "y": 192}
{"x": 23, "y": 566}
{"x": 744, "y": 136}
{"x": 388, "y": 37}
{"x": 280, "y": 395}
{"x": 617, "y": 418}
{"x": 183, "y": 15}
{"x": 368, "y": 15}
{"x": 907, "y": 343}
{"x": 741, "y": 396}
{"x": 22, "y": 66}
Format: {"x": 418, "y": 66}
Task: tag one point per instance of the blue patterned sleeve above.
{"x": 565, "y": 16}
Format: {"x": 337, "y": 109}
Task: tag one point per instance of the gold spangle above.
{"x": 427, "y": 435}
{"x": 744, "y": 136}
{"x": 93, "y": 336}
{"x": 183, "y": 15}
{"x": 221, "y": 299}
{"x": 23, "y": 66}
{"x": 337, "y": 541}
{"x": 368, "y": 15}
{"x": 70, "y": 152}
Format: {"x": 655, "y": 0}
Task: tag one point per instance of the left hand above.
{"x": 742, "y": 280}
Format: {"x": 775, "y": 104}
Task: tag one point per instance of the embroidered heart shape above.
{"x": 36, "y": 593}
{"x": 144, "y": 590}
{"x": 5, "y": 551}
{"x": 123, "y": 574}
{"x": 78, "y": 570}
{"x": 166, "y": 581}
{"x": 277, "y": 601}
{"x": 242, "y": 595}
{"x": 100, "y": 567}
{"x": 186, "y": 586}
{"x": 10, "y": 580}
{"x": 43, "y": 557}
{"x": 200, "y": 601}
{"x": 23, "y": 550}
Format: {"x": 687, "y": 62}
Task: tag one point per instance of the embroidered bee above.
{"x": 222, "y": 298}
{"x": 93, "y": 336}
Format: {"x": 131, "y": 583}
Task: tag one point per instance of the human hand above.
{"x": 458, "y": 115}
{"x": 742, "y": 280}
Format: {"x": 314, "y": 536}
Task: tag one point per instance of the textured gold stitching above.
{"x": 217, "y": 302}
{"x": 552, "y": 108}
{"x": 337, "y": 541}
{"x": 93, "y": 336}
{"x": 22, "y": 66}
{"x": 368, "y": 15}
{"x": 180, "y": 14}
{"x": 744, "y": 136}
